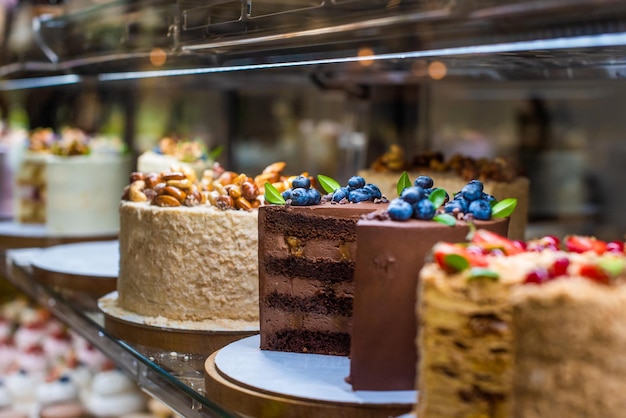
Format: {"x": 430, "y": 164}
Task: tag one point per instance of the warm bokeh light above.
{"x": 158, "y": 57}
{"x": 437, "y": 70}
{"x": 366, "y": 52}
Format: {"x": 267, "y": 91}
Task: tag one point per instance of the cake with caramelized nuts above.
{"x": 392, "y": 247}
{"x": 485, "y": 335}
{"x": 71, "y": 182}
{"x": 187, "y": 253}
{"x": 307, "y": 254}
{"x": 501, "y": 177}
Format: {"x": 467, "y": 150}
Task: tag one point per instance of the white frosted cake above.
{"x": 73, "y": 189}
{"x": 171, "y": 152}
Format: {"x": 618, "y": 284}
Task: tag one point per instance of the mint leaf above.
{"x": 456, "y": 262}
{"x": 445, "y": 218}
{"x": 437, "y": 197}
{"x": 328, "y": 184}
{"x": 477, "y": 273}
{"x": 216, "y": 152}
{"x": 403, "y": 182}
{"x": 272, "y": 195}
{"x": 612, "y": 265}
{"x": 504, "y": 208}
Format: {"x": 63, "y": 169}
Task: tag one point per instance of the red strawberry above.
{"x": 595, "y": 273}
{"x": 490, "y": 240}
{"x": 443, "y": 250}
{"x": 582, "y": 244}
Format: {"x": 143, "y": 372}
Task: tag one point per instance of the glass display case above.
{"x": 328, "y": 86}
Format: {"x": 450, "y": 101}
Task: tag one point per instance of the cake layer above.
{"x": 188, "y": 263}
{"x": 389, "y": 258}
{"x": 306, "y": 269}
{"x": 569, "y": 346}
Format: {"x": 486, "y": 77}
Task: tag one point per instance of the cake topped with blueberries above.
{"x": 307, "y": 253}
{"x": 393, "y": 244}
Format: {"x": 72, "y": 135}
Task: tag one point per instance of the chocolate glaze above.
{"x": 389, "y": 257}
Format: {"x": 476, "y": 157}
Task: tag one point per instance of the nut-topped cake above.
{"x": 392, "y": 247}
{"x": 189, "y": 248}
{"x": 484, "y": 332}
{"x": 307, "y": 250}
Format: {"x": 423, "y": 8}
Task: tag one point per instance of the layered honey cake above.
{"x": 570, "y": 333}
{"x": 481, "y": 351}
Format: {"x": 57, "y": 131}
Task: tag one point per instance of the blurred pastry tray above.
{"x": 87, "y": 267}
{"x": 297, "y": 384}
{"x": 176, "y": 336}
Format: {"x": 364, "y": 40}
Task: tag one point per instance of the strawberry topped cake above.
{"x": 507, "y": 323}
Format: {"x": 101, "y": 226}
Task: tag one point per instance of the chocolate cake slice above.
{"x": 306, "y": 266}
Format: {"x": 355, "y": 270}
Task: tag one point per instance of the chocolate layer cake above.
{"x": 306, "y": 266}
{"x": 389, "y": 258}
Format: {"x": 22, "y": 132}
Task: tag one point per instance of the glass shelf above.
{"x": 185, "y": 396}
{"x": 484, "y": 40}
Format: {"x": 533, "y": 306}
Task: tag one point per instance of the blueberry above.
{"x": 314, "y": 197}
{"x": 301, "y": 182}
{"x": 472, "y": 191}
{"x": 286, "y": 194}
{"x": 373, "y": 190}
{"x": 412, "y": 194}
{"x": 340, "y": 194}
{"x": 299, "y": 197}
{"x": 460, "y": 204}
{"x": 356, "y": 182}
{"x": 400, "y": 210}
{"x": 424, "y": 182}
{"x": 489, "y": 198}
{"x": 424, "y": 209}
{"x": 359, "y": 195}
{"x": 481, "y": 209}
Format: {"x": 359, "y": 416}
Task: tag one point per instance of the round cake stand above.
{"x": 181, "y": 347}
{"x": 255, "y": 382}
{"x": 87, "y": 267}
{"x": 17, "y": 235}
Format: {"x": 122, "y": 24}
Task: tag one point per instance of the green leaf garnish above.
{"x": 216, "y": 152}
{"x": 445, "y": 218}
{"x": 456, "y": 262}
{"x": 477, "y": 273}
{"x": 612, "y": 265}
{"x": 504, "y": 208}
{"x": 403, "y": 182}
{"x": 437, "y": 197}
{"x": 272, "y": 195}
{"x": 328, "y": 184}
{"x": 471, "y": 232}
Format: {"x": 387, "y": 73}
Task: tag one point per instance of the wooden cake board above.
{"x": 16, "y": 235}
{"x": 87, "y": 267}
{"x": 227, "y": 383}
{"x": 146, "y": 331}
